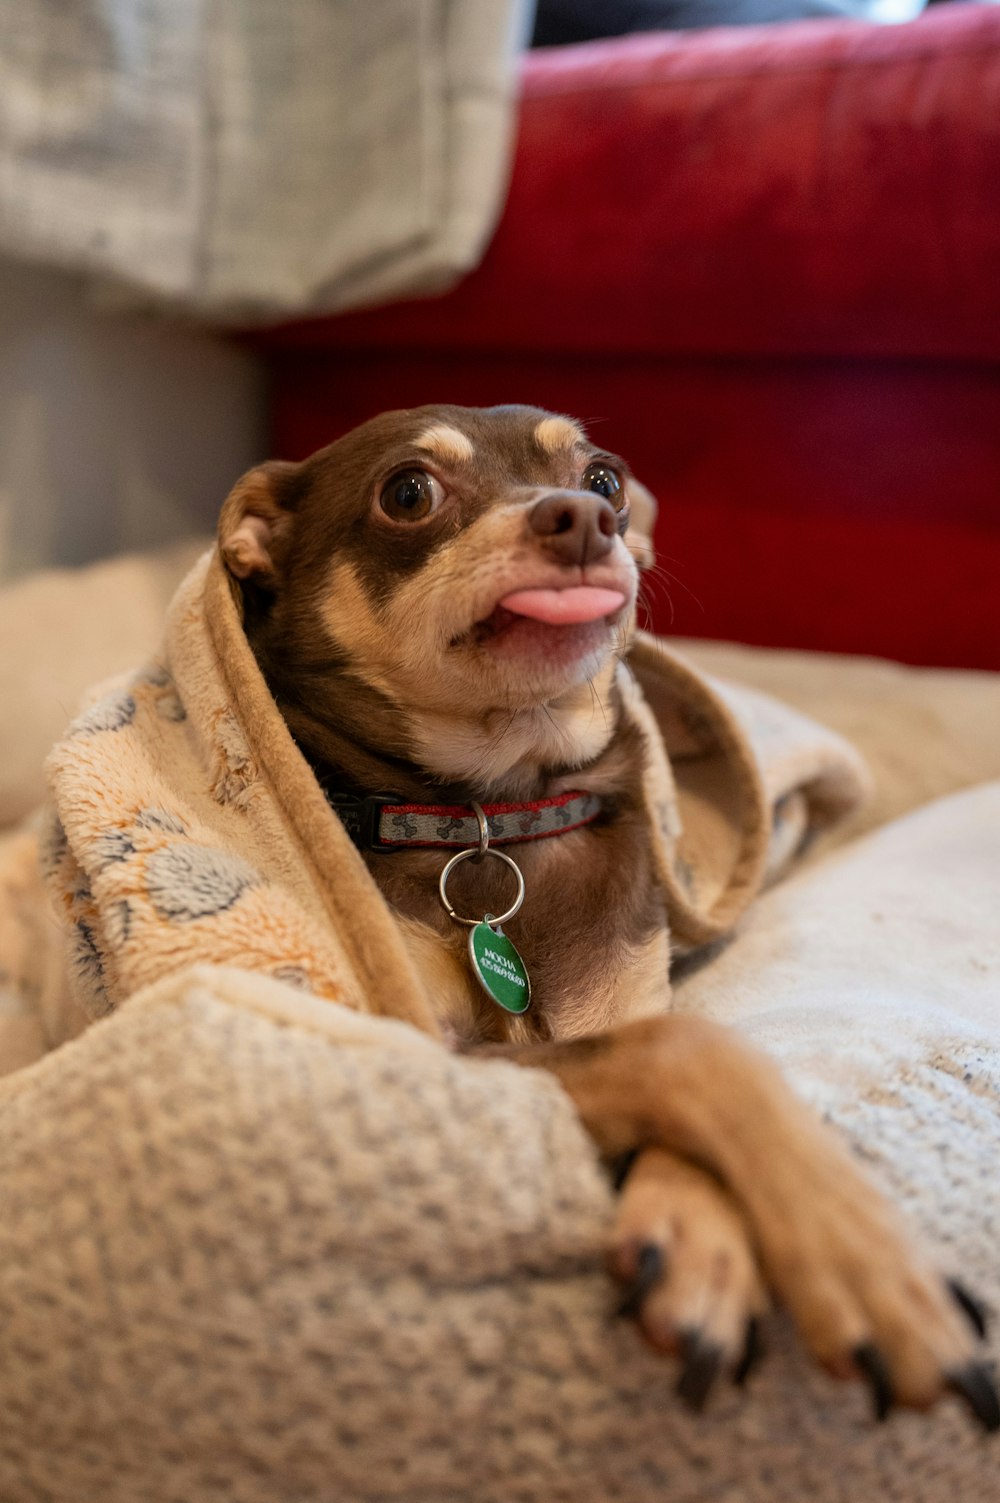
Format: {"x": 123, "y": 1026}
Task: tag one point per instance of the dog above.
{"x": 440, "y": 603}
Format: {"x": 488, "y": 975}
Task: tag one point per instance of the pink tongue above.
{"x": 564, "y": 607}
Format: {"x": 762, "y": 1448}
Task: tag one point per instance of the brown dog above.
{"x": 440, "y": 602}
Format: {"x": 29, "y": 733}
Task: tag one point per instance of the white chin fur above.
{"x": 498, "y": 748}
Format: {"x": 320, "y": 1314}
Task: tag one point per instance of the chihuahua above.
{"x": 441, "y": 603}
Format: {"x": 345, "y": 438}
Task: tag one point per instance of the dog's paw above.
{"x": 681, "y": 1250}
{"x": 864, "y": 1304}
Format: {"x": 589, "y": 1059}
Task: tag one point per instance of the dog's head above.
{"x": 455, "y": 565}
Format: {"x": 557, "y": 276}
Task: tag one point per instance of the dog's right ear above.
{"x": 642, "y": 522}
{"x": 256, "y": 520}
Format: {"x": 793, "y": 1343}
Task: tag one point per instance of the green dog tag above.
{"x": 499, "y": 968}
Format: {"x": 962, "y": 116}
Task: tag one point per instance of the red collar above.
{"x": 381, "y": 822}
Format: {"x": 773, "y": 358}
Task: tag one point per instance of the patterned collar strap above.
{"x": 382, "y": 823}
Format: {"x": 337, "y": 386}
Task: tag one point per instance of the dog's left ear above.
{"x": 256, "y": 519}
{"x": 642, "y": 521}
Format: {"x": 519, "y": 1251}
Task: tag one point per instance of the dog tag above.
{"x": 499, "y": 968}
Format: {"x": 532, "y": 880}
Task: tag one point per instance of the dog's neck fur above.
{"x": 359, "y": 741}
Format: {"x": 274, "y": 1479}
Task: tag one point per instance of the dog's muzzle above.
{"x": 575, "y": 527}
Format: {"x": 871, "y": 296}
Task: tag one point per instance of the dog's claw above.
{"x": 976, "y": 1387}
{"x": 871, "y": 1364}
{"x": 620, "y": 1167}
{"x": 701, "y": 1368}
{"x": 649, "y": 1271}
{"x": 971, "y": 1306}
{"x": 754, "y": 1352}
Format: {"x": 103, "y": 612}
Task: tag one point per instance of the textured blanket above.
{"x": 186, "y": 828}
{"x": 264, "y": 158}
{"x": 261, "y": 1248}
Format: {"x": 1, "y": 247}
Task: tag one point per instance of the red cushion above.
{"x": 764, "y": 265}
{"x": 849, "y": 507}
{"x": 823, "y": 187}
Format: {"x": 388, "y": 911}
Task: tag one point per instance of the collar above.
{"x": 381, "y": 822}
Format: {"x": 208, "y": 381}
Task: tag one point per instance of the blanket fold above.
{"x": 256, "y": 161}
{"x": 186, "y": 828}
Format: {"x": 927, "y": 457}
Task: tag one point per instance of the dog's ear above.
{"x": 257, "y": 518}
{"x": 642, "y": 521}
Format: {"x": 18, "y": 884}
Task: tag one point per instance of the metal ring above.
{"x": 484, "y": 832}
{"x": 467, "y": 855}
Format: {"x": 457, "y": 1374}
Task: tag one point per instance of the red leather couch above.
{"x": 764, "y": 264}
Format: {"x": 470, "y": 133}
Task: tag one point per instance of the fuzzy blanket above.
{"x": 259, "y": 1245}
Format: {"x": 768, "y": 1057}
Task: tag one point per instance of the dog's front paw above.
{"x": 681, "y": 1249}
{"x": 864, "y": 1304}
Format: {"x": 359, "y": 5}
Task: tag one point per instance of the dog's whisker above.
{"x": 559, "y": 730}
{"x": 653, "y": 579}
{"x": 598, "y": 699}
{"x": 509, "y": 726}
{"x": 657, "y": 576}
{"x": 643, "y": 604}
{"x": 595, "y": 701}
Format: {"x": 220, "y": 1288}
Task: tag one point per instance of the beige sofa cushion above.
{"x": 61, "y": 632}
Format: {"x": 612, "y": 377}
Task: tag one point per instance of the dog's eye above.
{"x": 410, "y": 496}
{"x": 606, "y": 482}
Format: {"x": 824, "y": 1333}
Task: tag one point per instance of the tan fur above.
{"x": 444, "y": 973}
{"x": 702, "y": 1234}
{"x": 447, "y": 444}
{"x": 639, "y": 537}
{"x": 352, "y": 624}
{"x": 555, "y": 434}
{"x": 829, "y": 1246}
{"x": 252, "y": 520}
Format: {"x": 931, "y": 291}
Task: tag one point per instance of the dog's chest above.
{"x": 591, "y": 932}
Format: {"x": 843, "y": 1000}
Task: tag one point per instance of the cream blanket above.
{"x": 257, "y": 1245}
{"x": 264, "y": 158}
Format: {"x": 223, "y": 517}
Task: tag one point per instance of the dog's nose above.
{"x": 576, "y": 526}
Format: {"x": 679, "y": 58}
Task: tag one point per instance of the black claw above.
{"x": 649, "y": 1271}
{"x": 621, "y": 1167}
{"x": 701, "y": 1368}
{"x": 975, "y": 1386}
{"x": 968, "y": 1303}
{"x": 754, "y": 1352}
{"x": 871, "y": 1364}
